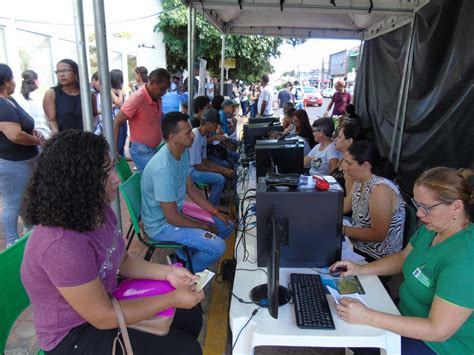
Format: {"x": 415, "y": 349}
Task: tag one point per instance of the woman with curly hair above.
{"x": 76, "y": 251}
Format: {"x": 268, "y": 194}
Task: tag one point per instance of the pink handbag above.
{"x": 158, "y": 324}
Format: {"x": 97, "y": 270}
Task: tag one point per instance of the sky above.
{"x": 310, "y": 54}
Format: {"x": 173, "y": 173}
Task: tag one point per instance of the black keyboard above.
{"x": 311, "y": 305}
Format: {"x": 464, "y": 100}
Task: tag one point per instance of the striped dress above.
{"x": 361, "y": 218}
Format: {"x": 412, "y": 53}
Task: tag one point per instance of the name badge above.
{"x": 421, "y": 275}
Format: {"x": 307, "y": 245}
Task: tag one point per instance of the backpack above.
{"x": 298, "y": 94}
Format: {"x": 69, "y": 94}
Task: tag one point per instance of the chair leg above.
{"x": 188, "y": 259}
{"x": 130, "y": 239}
{"x": 149, "y": 253}
{"x": 130, "y": 230}
{"x": 206, "y": 192}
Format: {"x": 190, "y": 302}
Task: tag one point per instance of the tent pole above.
{"x": 401, "y": 93}
{"x": 81, "y": 47}
{"x": 191, "y": 31}
{"x": 405, "y": 99}
{"x": 105, "y": 95}
{"x": 222, "y": 63}
{"x": 359, "y": 59}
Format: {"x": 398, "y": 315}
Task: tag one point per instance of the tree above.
{"x": 252, "y": 53}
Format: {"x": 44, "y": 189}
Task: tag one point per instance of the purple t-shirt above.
{"x": 340, "y": 101}
{"x": 58, "y": 257}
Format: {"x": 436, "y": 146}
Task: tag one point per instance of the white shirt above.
{"x": 198, "y": 151}
{"x": 320, "y": 159}
{"x": 34, "y": 107}
{"x": 266, "y": 95}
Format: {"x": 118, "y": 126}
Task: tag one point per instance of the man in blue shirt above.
{"x": 203, "y": 170}
{"x": 165, "y": 183}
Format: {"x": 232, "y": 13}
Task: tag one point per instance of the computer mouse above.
{"x": 337, "y": 271}
{"x": 320, "y": 183}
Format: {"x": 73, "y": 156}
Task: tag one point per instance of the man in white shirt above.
{"x": 264, "y": 105}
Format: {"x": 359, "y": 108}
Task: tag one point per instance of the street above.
{"x": 313, "y": 112}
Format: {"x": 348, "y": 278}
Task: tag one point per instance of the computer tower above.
{"x": 254, "y": 131}
{"x": 279, "y": 156}
{"x": 308, "y": 225}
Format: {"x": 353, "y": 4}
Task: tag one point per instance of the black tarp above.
{"x": 439, "y": 127}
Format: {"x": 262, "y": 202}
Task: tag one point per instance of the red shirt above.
{"x": 144, "y": 116}
{"x": 340, "y": 101}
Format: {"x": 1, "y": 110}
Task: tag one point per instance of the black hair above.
{"x": 211, "y": 116}
{"x": 6, "y": 74}
{"x": 352, "y": 131}
{"x": 95, "y": 76}
{"x": 116, "y": 79}
{"x": 350, "y": 109}
{"x": 289, "y": 111}
{"x": 265, "y": 78}
{"x": 326, "y": 124}
{"x": 159, "y": 75}
{"x": 28, "y": 84}
{"x": 365, "y": 151}
{"x": 217, "y": 101}
{"x": 170, "y": 122}
{"x": 67, "y": 188}
{"x": 200, "y": 103}
{"x": 75, "y": 69}
{"x": 143, "y": 72}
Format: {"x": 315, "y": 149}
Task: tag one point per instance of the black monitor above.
{"x": 264, "y": 120}
{"x": 279, "y": 156}
{"x": 308, "y": 225}
{"x": 252, "y": 132}
{"x": 272, "y": 294}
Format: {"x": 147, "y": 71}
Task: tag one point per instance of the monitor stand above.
{"x": 260, "y": 292}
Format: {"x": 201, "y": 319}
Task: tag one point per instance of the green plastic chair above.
{"x": 411, "y": 223}
{"x": 131, "y": 192}
{"x": 123, "y": 169}
{"x": 13, "y": 297}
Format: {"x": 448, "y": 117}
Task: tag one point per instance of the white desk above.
{"x": 265, "y": 330}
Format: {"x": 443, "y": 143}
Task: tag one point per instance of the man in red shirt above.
{"x": 340, "y": 99}
{"x": 144, "y": 112}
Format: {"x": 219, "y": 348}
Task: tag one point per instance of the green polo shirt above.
{"x": 447, "y": 271}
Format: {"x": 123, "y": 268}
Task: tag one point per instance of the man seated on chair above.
{"x": 165, "y": 182}
{"x": 203, "y": 170}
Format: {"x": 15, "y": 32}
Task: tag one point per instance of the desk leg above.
{"x": 393, "y": 346}
{"x": 244, "y": 345}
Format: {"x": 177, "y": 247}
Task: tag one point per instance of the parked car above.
{"x": 312, "y": 97}
{"x": 329, "y": 92}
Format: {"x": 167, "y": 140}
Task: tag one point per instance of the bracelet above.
{"x": 344, "y": 230}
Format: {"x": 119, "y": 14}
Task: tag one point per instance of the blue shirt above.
{"x": 224, "y": 124}
{"x": 163, "y": 180}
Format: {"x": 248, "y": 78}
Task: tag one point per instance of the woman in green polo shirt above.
{"x": 437, "y": 295}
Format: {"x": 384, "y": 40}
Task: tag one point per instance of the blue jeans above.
{"x": 229, "y": 162}
{"x": 205, "y": 247}
{"x": 14, "y": 177}
{"x": 122, "y": 138}
{"x": 215, "y": 181}
{"x": 141, "y": 154}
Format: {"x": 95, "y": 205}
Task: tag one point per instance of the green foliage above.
{"x": 252, "y": 53}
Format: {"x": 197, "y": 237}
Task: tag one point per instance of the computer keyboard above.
{"x": 311, "y": 305}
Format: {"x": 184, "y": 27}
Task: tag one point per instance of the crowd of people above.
{"x": 61, "y": 180}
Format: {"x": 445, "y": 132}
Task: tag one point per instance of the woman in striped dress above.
{"x": 378, "y": 209}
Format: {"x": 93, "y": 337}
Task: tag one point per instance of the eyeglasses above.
{"x": 423, "y": 208}
{"x": 64, "y": 71}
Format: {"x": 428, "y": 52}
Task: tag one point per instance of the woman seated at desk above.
{"x": 75, "y": 252}
{"x": 437, "y": 296}
{"x": 378, "y": 210}
{"x": 303, "y": 127}
{"x": 348, "y": 134}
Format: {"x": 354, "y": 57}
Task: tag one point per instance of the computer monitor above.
{"x": 308, "y": 225}
{"x": 264, "y": 120}
{"x": 272, "y": 294}
{"x": 279, "y": 156}
{"x": 252, "y": 132}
